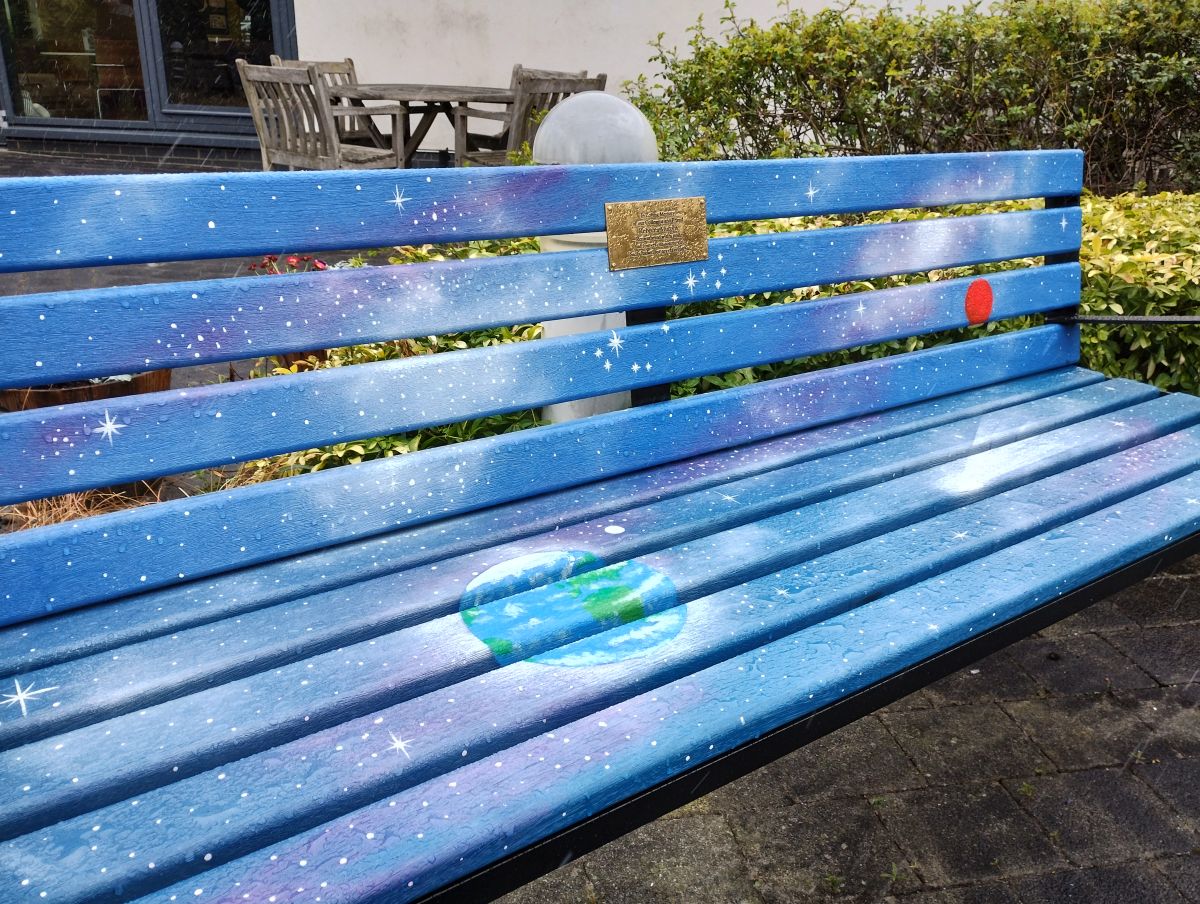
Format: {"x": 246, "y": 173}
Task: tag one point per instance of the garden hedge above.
{"x": 1118, "y": 78}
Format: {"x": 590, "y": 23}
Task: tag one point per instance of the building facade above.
{"x": 162, "y": 71}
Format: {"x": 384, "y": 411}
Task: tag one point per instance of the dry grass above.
{"x": 71, "y": 506}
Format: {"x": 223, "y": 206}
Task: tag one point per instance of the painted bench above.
{"x": 444, "y": 672}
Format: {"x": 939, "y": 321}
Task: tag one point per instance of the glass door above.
{"x": 168, "y": 64}
{"x": 74, "y": 59}
{"x": 201, "y": 39}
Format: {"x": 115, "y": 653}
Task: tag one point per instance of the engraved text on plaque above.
{"x": 648, "y": 233}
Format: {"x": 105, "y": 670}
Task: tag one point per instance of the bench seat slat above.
{"x": 87, "y": 631}
{"x": 105, "y": 761}
{"x": 801, "y": 595}
{"x": 97, "y": 220}
{"x": 223, "y": 651}
{"x": 68, "y": 449}
{"x": 69, "y": 335}
{"x": 219, "y": 532}
{"x": 413, "y": 841}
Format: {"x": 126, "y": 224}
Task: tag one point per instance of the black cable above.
{"x": 1129, "y": 318}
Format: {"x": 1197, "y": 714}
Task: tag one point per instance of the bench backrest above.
{"x": 95, "y": 221}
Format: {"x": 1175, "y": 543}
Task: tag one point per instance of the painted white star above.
{"x": 398, "y": 199}
{"x": 690, "y": 282}
{"x": 674, "y": 297}
{"x": 109, "y": 428}
{"x": 723, "y": 271}
{"x": 1063, "y": 223}
{"x": 812, "y": 192}
{"x": 608, "y": 365}
{"x": 400, "y": 745}
{"x": 861, "y": 307}
{"x": 666, "y": 327}
{"x": 932, "y": 627}
{"x": 704, "y": 274}
{"x": 717, "y": 284}
{"x": 728, "y": 498}
{"x": 24, "y": 695}
{"x": 599, "y": 353}
{"x": 635, "y": 367}
{"x": 959, "y": 535}
{"x": 1192, "y": 501}
{"x": 779, "y": 591}
{"x": 979, "y": 180}
{"x": 615, "y": 343}
{"x": 649, "y": 366}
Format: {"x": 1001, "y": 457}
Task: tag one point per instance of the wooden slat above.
{"x": 186, "y": 661}
{"x": 91, "y": 220}
{"x": 409, "y": 843}
{"x": 60, "y": 567}
{"x": 71, "y": 448}
{"x": 62, "y": 336}
{"x": 91, "y": 630}
{"x": 244, "y": 805}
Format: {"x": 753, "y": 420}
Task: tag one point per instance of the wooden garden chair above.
{"x": 352, "y": 129}
{"x": 296, "y": 121}
{"x": 536, "y": 92}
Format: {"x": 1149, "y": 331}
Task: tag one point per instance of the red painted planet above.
{"x": 979, "y": 302}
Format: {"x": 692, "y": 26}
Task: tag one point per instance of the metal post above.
{"x": 594, "y": 127}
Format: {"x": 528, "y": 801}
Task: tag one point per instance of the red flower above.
{"x": 293, "y": 260}
{"x": 254, "y": 266}
{"x": 320, "y": 265}
{"x": 271, "y": 257}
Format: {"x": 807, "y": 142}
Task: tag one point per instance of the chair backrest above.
{"x": 334, "y": 73}
{"x": 519, "y": 69}
{"x": 291, "y": 113}
{"x": 536, "y": 92}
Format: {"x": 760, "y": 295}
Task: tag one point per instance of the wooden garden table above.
{"x": 428, "y": 100}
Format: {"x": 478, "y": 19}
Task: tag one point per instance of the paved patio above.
{"x": 1065, "y": 769}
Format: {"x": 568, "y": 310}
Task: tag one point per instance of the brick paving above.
{"x": 1063, "y": 769}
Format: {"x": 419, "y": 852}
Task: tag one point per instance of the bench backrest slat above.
{"x": 69, "y": 335}
{"x": 96, "y": 220}
{"x": 119, "y": 440}
{"x": 65, "y": 566}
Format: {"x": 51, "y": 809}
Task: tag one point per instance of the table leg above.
{"x": 428, "y": 115}
{"x": 369, "y": 124}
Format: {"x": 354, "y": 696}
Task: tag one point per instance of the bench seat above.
{"x": 437, "y": 674}
{"x": 630, "y": 629}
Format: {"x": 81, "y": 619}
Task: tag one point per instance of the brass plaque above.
{"x": 649, "y": 233}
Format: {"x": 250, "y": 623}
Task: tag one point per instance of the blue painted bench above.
{"x": 441, "y": 673}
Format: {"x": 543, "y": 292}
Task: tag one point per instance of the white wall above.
{"x": 476, "y": 42}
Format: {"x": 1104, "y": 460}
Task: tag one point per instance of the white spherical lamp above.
{"x": 595, "y": 127}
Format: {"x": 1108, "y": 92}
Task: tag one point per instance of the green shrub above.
{"x": 1141, "y": 256}
{"x": 1118, "y": 78}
